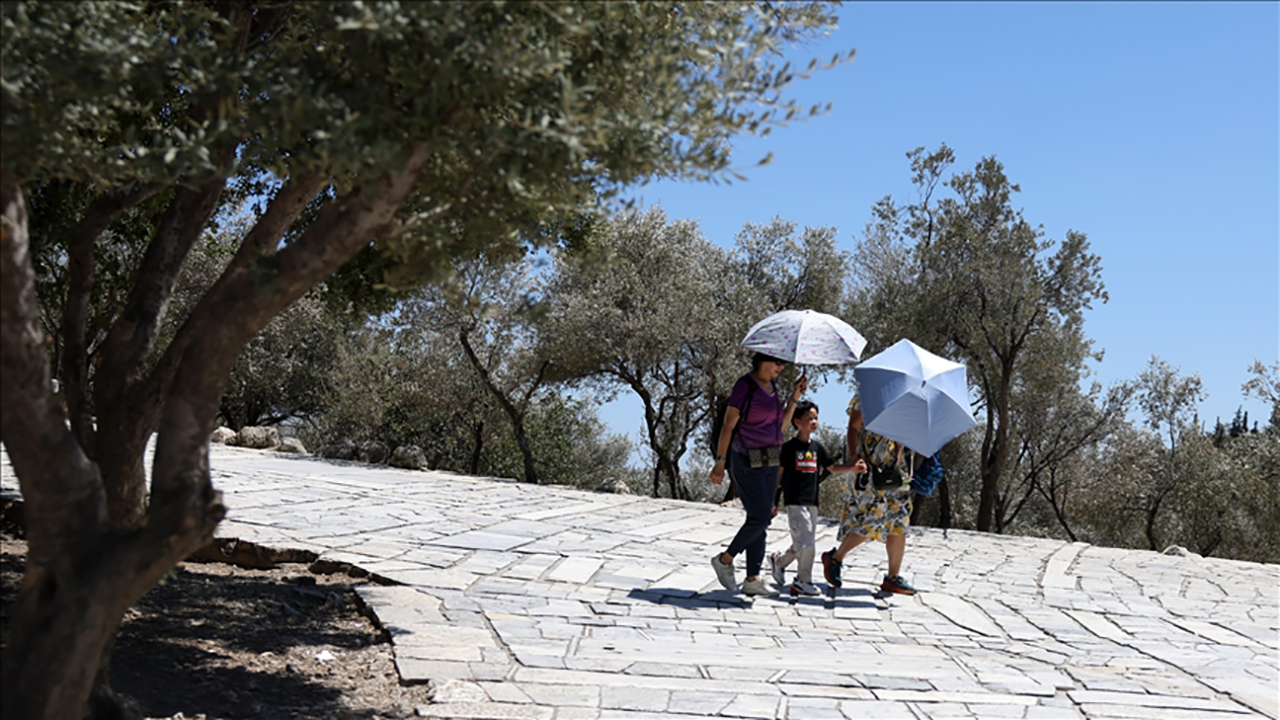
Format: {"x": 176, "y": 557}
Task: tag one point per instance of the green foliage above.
{"x": 646, "y": 320}
{"x": 968, "y": 277}
{"x": 283, "y": 373}
{"x": 1265, "y": 386}
{"x": 572, "y": 446}
{"x": 1250, "y": 524}
{"x": 91, "y": 92}
{"x": 422, "y": 131}
{"x": 527, "y": 110}
{"x": 779, "y": 271}
{"x": 1164, "y": 482}
{"x": 421, "y": 391}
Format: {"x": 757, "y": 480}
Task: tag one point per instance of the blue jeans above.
{"x": 755, "y": 488}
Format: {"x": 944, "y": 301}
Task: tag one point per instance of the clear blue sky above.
{"x": 1150, "y": 127}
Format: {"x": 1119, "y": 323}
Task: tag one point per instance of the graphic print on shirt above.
{"x": 806, "y": 461}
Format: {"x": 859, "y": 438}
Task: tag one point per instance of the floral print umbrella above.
{"x": 805, "y": 337}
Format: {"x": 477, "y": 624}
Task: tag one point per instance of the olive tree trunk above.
{"x": 84, "y": 570}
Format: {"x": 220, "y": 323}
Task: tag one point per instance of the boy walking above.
{"x": 804, "y": 462}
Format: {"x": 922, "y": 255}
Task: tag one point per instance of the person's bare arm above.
{"x": 722, "y": 444}
{"x": 858, "y": 467}
{"x": 853, "y": 434}
{"x": 802, "y": 384}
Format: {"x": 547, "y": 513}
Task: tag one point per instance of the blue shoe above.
{"x": 897, "y": 585}
{"x": 831, "y": 568}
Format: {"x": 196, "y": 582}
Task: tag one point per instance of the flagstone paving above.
{"x": 523, "y": 601}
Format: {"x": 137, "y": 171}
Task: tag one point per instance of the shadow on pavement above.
{"x": 686, "y": 598}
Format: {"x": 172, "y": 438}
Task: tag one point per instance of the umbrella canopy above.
{"x": 913, "y": 396}
{"x": 805, "y": 337}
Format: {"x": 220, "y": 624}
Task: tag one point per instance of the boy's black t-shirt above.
{"x": 802, "y": 465}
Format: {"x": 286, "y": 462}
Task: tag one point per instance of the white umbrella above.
{"x": 805, "y": 337}
{"x": 913, "y": 396}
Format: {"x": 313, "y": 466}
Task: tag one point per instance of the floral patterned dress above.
{"x": 871, "y": 513}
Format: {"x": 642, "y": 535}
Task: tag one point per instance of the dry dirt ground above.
{"x": 219, "y": 641}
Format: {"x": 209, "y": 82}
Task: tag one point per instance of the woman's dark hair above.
{"x": 760, "y": 358}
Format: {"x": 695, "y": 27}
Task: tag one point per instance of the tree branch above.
{"x": 75, "y": 315}
{"x": 60, "y": 486}
{"x": 134, "y": 331}
{"x": 537, "y": 382}
{"x": 261, "y": 241}
{"x": 289, "y": 202}
{"x": 238, "y": 306}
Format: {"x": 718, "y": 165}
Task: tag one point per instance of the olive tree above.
{"x": 487, "y": 312}
{"x": 1168, "y": 401}
{"x": 637, "y": 311}
{"x": 1106, "y": 506}
{"x": 1056, "y": 425}
{"x": 1265, "y": 386}
{"x": 966, "y": 275}
{"x": 485, "y": 117}
{"x": 1251, "y": 470}
{"x": 1215, "y": 500}
{"x": 407, "y": 389}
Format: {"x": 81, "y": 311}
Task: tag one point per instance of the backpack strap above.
{"x": 746, "y": 408}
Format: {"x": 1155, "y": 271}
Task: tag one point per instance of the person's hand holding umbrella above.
{"x": 797, "y": 392}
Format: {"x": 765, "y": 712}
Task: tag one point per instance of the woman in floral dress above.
{"x": 870, "y": 513}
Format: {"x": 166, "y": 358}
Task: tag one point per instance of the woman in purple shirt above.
{"x": 751, "y": 439}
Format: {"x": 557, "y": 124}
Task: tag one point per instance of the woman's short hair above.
{"x": 760, "y": 358}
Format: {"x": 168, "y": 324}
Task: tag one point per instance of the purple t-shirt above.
{"x": 762, "y": 427}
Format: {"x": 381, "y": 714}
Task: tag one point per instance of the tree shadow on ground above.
{"x": 217, "y": 641}
{"x": 235, "y": 646}
{"x": 247, "y": 612}
{"x": 195, "y": 684}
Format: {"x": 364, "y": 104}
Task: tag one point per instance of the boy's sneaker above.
{"x": 799, "y": 588}
{"x": 831, "y": 568}
{"x": 897, "y": 585}
{"x": 756, "y": 587}
{"x": 724, "y": 573}
{"x": 778, "y": 572}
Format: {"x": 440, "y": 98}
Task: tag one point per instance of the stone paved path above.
{"x": 546, "y": 602}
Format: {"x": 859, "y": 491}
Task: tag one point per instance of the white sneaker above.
{"x": 756, "y": 587}
{"x": 778, "y": 571}
{"x": 799, "y": 588}
{"x": 724, "y": 573}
